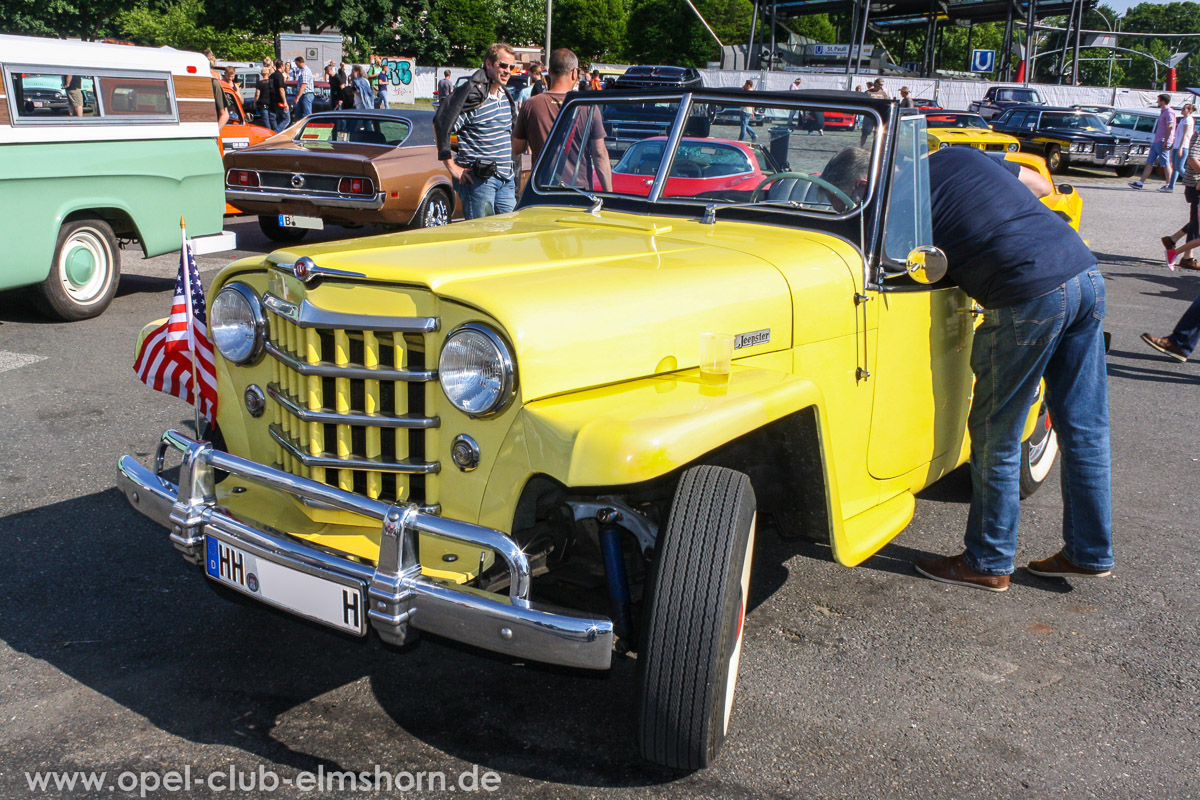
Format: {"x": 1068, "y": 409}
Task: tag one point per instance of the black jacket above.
{"x": 468, "y": 96}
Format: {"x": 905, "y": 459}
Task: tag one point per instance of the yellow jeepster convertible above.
{"x": 552, "y": 433}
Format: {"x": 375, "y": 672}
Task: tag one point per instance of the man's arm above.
{"x": 601, "y": 163}
{"x": 1034, "y": 181}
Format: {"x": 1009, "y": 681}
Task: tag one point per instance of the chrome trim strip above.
{"x": 374, "y": 203}
{"x": 328, "y": 370}
{"x": 334, "y": 418}
{"x": 315, "y": 272}
{"x": 400, "y": 596}
{"x": 436, "y": 508}
{"x": 306, "y": 315}
{"x": 329, "y": 461}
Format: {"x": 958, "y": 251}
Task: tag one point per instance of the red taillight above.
{"x": 356, "y": 186}
{"x": 242, "y": 177}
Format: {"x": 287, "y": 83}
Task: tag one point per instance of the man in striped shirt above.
{"x": 481, "y": 112}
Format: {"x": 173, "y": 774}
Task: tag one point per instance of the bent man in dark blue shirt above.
{"x": 1044, "y": 302}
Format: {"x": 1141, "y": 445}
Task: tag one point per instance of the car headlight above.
{"x": 943, "y": 145}
{"x": 1012, "y": 148}
{"x": 476, "y": 370}
{"x": 237, "y": 324}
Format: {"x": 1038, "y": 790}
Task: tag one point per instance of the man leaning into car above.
{"x": 481, "y": 112}
{"x": 1044, "y": 308}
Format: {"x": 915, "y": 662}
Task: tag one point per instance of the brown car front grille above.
{"x": 354, "y": 406}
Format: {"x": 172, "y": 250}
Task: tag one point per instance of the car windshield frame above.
{"x": 691, "y": 103}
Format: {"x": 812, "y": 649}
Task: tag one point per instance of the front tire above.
{"x": 1126, "y": 171}
{"x": 1054, "y": 160}
{"x": 84, "y": 275}
{"x": 1037, "y": 454}
{"x": 278, "y": 233}
{"x": 435, "y": 210}
{"x": 692, "y": 633}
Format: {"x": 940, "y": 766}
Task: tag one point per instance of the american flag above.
{"x": 179, "y": 349}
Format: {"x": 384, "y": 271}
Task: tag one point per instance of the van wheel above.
{"x": 277, "y": 233}
{"x": 1038, "y": 453}
{"x": 435, "y": 210}
{"x": 692, "y": 634}
{"x": 84, "y": 275}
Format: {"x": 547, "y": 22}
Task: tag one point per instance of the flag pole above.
{"x": 191, "y": 322}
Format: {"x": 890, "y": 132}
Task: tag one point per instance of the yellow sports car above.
{"x": 947, "y": 128}
{"x": 1064, "y": 200}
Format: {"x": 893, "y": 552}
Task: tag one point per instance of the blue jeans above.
{"x": 303, "y": 106}
{"x": 1057, "y": 336}
{"x": 278, "y": 118}
{"x": 1187, "y": 331}
{"x": 1178, "y": 158}
{"x": 484, "y": 198}
{"x": 745, "y": 119}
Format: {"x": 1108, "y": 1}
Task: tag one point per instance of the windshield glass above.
{"x": 355, "y": 130}
{"x": 1020, "y": 96}
{"x": 1088, "y": 123}
{"x": 1124, "y": 119}
{"x": 807, "y": 157}
{"x": 955, "y": 121}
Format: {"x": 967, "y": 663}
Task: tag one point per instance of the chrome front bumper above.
{"x": 242, "y": 196}
{"x": 399, "y": 597}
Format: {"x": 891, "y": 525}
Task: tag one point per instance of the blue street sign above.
{"x": 983, "y": 61}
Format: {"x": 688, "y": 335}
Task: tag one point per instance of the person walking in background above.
{"x": 596, "y": 84}
{"x": 304, "y": 90}
{"x": 381, "y": 83}
{"x": 1184, "y": 130}
{"x": 482, "y": 113}
{"x": 444, "y": 87}
{"x": 1164, "y": 137}
{"x": 796, "y": 86}
{"x": 536, "y": 118}
{"x": 745, "y": 113}
{"x": 279, "y": 105}
{"x": 905, "y": 100}
{"x": 337, "y": 84}
{"x": 1190, "y": 232}
{"x": 537, "y": 81}
{"x": 362, "y": 87}
{"x": 262, "y": 97}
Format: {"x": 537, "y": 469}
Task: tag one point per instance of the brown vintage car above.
{"x": 351, "y": 168}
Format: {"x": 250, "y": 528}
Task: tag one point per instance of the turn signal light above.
{"x": 356, "y": 186}
{"x": 242, "y": 177}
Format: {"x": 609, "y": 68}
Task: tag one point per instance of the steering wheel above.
{"x": 824, "y": 184}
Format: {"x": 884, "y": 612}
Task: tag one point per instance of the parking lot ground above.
{"x": 870, "y": 682}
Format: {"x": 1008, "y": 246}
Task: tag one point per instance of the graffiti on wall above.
{"x": 399, "y": 76}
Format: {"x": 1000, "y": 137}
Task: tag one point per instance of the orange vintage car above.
{"x": 240, "y": 131}
{"x": 352, "y": 168}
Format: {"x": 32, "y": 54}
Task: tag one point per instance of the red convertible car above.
{"x": 701, "y": 166}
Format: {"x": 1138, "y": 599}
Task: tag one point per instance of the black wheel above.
{"x": 1126, "y": 171}
{"x": 84, "y": 274}
{"x": 1037, "y": 454}
{"x": 1054, "y": 160}
{"x": 435, "y": 210}
{"x": 692, "y": 629}
{"x": 277, "y": 233}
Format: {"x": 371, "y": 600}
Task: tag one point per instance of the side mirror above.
{"x": 926, "y": 264}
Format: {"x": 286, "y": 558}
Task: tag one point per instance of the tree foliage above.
{"x": 594, "y": 29}
{"x": 181, "y": 26}
{"x": 521, "y": 23}
{"x": 81, "y": 19}
{"x": 666, "y": 32}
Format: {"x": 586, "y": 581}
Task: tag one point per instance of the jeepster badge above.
{"x": 752, "y": 338}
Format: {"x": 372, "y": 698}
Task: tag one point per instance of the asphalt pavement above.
{"x": 855, "y": 683}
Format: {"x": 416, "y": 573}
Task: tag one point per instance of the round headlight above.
{"x": 943, "y": 145}
{"x": 237, "y": 324}
{"x": 476, "y": 370}
{"x": 1012, "y": 148}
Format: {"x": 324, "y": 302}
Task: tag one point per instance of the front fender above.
{"x": 633, "y": 432}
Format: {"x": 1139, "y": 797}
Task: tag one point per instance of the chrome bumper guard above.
{"x": 372, "y": 203}
{"x": 399, "y": 596}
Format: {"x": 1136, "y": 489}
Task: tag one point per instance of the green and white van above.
{"x": 102, "y": 146}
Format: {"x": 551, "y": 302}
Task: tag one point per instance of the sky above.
{"x": 1121, "y": 6}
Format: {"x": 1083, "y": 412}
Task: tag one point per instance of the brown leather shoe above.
{"x": 1165, "y": 346}
{"x": 1168, "y": 242}
{"x": 952, "y": 569}
{"x": 1057, "y": 566}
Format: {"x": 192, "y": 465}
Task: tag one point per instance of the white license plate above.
{"x": 335, "y": 604}
{"x": 39, "y": 104}
{"x": 1112, "y": 162}
{"x": 312, "y": 223}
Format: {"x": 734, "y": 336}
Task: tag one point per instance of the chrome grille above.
{"x": 353, "y": 400}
